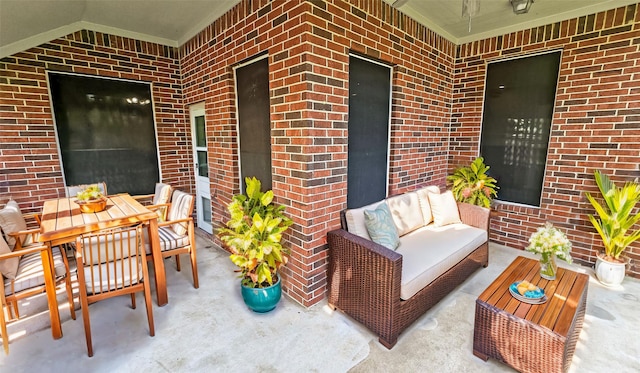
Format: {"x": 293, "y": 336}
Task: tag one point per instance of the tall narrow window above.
{"x": 516, "y": 123}
{"x": 368, "y": 152}
{"x": 254, "y": 123}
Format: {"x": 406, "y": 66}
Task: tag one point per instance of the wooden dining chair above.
{"x": 73, "y": 190}
{"x": 159, "y": 199}
{"x": 23, "y": 275}
{"x": 18, "y": 236}
{"x": 112, "y": 262}
{"x": 176, "y": 234}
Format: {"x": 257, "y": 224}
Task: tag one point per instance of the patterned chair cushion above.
{"x": 11, "y": 220}
{"x": 169, "y": 239}
{"x": 31, "y": 273}
{"x": 181, "y": 206}
{"x": 162, "y": 193}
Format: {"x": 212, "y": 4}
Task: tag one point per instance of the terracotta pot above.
{"x": 94, "y": 205}
{"x": 610, "y": 273}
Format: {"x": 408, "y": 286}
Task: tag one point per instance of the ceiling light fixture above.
{"x": 398, "y": 3}
{"x": 470, "y": 8}
{"x": 521, "y": 6}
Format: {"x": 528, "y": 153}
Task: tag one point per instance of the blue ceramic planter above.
{"x": 262, "y": 300}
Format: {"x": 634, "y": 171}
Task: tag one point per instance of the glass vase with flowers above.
{"x": 550, "y": 242}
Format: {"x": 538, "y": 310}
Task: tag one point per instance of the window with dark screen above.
{"x": 106, "y": 132}
{"x": 516, "y": 123}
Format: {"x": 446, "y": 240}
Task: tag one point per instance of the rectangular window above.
{"x": 254, "y": 121}
{"x": 368, "y": 151}
{"x": 106, "y": 132}
{"x": 516, "y": 123}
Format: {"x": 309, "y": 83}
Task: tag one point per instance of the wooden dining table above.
{"x": 62, "y": 222}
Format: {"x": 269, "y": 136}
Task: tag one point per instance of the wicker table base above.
{"x": 531, "y": 338}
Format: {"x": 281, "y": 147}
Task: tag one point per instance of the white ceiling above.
{"x": 496, "y": 17}
{"x": 27, "y": 23}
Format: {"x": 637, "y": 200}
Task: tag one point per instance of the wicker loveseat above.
{"x": 387, "y": 290}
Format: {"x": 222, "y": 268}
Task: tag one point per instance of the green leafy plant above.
{"x": 471, "y": 184}
{"x": 92, "y": 192}
{"x": 614, "y": 218}
{"x": 254, "y": 234}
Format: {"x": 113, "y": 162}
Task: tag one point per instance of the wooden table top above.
{"x": 563, "y": 295}
{"x": 62, "y": 219}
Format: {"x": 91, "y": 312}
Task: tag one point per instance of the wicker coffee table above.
{"x": 531, "y": 338}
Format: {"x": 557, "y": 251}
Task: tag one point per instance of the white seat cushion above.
{"x": 430, "y": 251}
{"x": 406, "y": 212}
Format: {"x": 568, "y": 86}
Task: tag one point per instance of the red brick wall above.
{"x": 596, "y": 124}
{"x": 30, "y": 169}
{"x": 308, "y": 45}
{"x": 436, "y": 111}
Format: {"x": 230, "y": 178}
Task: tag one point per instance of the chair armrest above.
{"x": 363, "y": 275}
{"x": 32, "y": 215}
{"x": 20, "y": 234}
{"x": 158, "y": 206}
{"x": 142, "y": 196}
{"x": 23, "y": 251}
{"x": 171, "y": 222}
{"x": 475, "y": 216}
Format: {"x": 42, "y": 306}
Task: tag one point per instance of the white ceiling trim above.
{"x": 431, "y": 24}
{"x": 204, "y": 23}
{"x": 542, "y": 21}
{"x": 59, "y": 32}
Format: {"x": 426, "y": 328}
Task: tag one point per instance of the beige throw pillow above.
{"x": 8, "y": 267}
{"x": 444, "y": 209}
{"x": 11, "y": 220}
{"x": 423, "y": 197}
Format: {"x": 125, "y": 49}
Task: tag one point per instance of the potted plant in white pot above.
{"x": 614, "y": 223}
{"x": 253, "y": 235}
{"x": 471, "y": 184}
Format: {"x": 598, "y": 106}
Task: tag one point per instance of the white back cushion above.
{"x": 406, "y": 212}
{"x": 181, "y": 208}
{"x": 444, "y": 208}
{"x": 162, "y": 193}
{"x": 425, "y": 206}
{"x": 113, "y": 246}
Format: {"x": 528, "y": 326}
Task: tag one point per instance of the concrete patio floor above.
{"x": 209, "y": 329}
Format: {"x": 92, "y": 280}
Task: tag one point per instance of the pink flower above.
{"x": 466, "y": 192}
{"x": 487, "y": 191}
